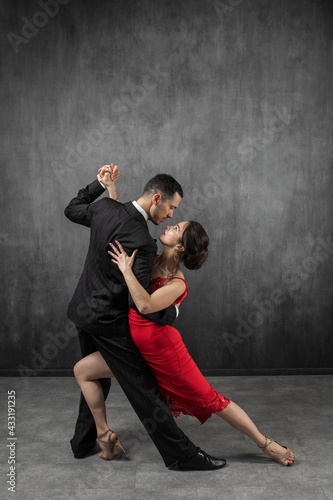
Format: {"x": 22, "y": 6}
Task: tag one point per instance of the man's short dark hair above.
{"x": 164, "y": 184}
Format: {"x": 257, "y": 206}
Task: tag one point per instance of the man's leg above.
{"x": 141, "y": 389}
{"x": 85, "y": 434}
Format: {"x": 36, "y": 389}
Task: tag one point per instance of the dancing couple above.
{"x": 130, "y": 335}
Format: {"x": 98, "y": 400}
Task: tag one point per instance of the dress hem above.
{"x": 177, "y": 407}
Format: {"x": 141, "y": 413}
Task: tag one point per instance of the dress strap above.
{"x": 159, "y": 281}
{"x": 184, "y": 294}
{"x": 178, "y": 278}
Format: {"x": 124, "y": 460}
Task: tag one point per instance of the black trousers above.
{"x": 85, "y": 429}
{"x": 141, "y": 389}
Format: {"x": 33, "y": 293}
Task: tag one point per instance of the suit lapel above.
{"x": 133, "y": 212}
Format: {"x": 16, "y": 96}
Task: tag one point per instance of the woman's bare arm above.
{"x": 146, "y": 303}
{"x": 108, "y": 175}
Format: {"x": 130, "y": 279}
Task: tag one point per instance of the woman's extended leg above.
{"x": 87, "y": 372}
{"x": 238, "y": 419}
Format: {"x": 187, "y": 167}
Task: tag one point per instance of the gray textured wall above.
{"x": 233, "y": 98}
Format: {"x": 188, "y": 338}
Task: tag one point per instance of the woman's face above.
{"x": 173, "y": 234}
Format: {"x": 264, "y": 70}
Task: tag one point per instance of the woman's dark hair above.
{"x": 164, "y": 184}
{"x": 195, "y": 241}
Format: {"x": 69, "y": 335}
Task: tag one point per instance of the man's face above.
{"x": 162, "y": 210}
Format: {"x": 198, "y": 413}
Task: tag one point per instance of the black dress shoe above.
{"x": 85, "y": 454}
{"x": 84, "y": 451}
{"x": 200, "y": 461}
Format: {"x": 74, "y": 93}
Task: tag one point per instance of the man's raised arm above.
{"x": 79, "y": 209}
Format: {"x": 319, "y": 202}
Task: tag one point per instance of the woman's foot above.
{"x": 109, "y": 444}
{"x": 281, "y": 454}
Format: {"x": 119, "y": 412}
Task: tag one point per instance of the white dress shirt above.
{"x": 141, "y": 210}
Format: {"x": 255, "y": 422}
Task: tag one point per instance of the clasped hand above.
{"x": 120, "y": 257}
{"x": 108, "y": 174}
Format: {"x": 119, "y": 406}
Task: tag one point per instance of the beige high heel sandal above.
{"x": 110, "y": 449}
{"x": 288, "y": 455}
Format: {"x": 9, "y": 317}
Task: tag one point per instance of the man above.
{"x": 99, "y": 308}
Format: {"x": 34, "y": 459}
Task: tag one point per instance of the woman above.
{"x": 180, "y": 381}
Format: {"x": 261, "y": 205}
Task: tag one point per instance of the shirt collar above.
{"x": 141, "y": 210}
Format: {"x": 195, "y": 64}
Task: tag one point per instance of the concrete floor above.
{"x": 295, "y": 410}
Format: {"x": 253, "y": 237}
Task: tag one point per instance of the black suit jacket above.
{"x": 100, "y": 302}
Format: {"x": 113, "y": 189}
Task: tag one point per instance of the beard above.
{"x": 157, "y": 217}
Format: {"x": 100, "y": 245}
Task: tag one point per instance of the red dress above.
{"x": 181, "y": 383}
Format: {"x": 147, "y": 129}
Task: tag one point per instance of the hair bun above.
{"x": 194, "y": 262}
{"x": 195, "y": 241}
